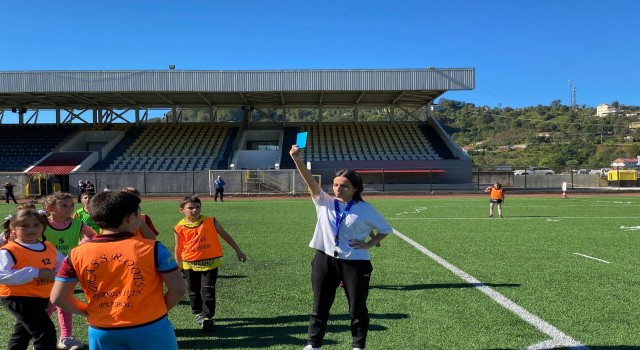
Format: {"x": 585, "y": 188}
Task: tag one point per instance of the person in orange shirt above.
{"x": 199, "y": 254}
{"x": 496, "y": 197}
{"x": 122, "y": 276}
{"x": 27, "y": 269}
{"x": 146, "y": 229}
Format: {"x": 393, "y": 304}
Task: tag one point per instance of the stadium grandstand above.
{"x": 120, "y": 128}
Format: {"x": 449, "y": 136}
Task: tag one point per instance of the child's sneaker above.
{"x": 199, "y": 319}
{"x": 207, "y": 325}
{"x": 69, "y": 343}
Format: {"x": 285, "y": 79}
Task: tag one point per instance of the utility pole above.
{"x": 572, "y": 94}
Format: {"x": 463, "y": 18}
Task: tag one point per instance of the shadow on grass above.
{"x": 445, "y": 286}
{"x": 261, "y": 332}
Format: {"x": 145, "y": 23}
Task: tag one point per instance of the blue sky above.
{"x": 524, "y": 52}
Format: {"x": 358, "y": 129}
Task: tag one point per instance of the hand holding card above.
{"x": 301, "y": 140}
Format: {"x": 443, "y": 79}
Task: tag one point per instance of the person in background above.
{"x": 343, "y": 223}
{"x": 122, "y": 276}
{"x": 219, "y": 189}
{"x": 496, "y": 196}
{"x": 27, "y": 269}
{"x": 8, "y": 193}
{"x": 82, "y": 188}
{"x": 91, "y": 188}
{"x": 83, "y": 213}
{"x": 65, "y": 233}
{"x": 199, "y": 254}
{"x": 146, "y": 228}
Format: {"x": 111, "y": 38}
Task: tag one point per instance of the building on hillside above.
{"x": 604, "y": 110}
{"x": 624, "y": 162}
{"x": 634, "y": 125}
{"x": 544, "y": 135}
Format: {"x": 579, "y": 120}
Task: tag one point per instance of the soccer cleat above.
{"x": 309, "y": 347}
{"x": 69, "y": 343}
{"x": 358, "y": 348}
{"x": 207, "y": 325}
{"x": 198, "y": 319}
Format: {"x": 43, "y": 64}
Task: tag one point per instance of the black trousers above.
{"x": 219, "y": 191}
{"x": 202, "y": 291}
{"x": 10, "y": 195}
{"x": 32, "y": 321}
{"x": 326, "y": 274}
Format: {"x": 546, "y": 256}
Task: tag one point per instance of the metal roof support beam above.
{"x": 398, "y": 98}
{"x": 282, "y": 98}
{"x": 320, "y": 114}
{"x": 34, "y": 117}
{"x": 57, "y": 116}
{"x": 244, "y": 99}
{"x": 71, "y": 116}
{"x": 392, "y": 113}
{"x": 1, "y": 115}
{"x": 84, "y": 99}
{"x": 126, "y": 99}
{"x": 360, "y": 97}
{"x": 209, "y": 103}
{"x": 213, "y": 114}
{"x": 165, "y": 99}
{"x": 356, "y": 113}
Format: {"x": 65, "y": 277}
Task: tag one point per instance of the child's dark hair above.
{"x": 108, "y": 209}
{"x": 498, "y": 185}
{"x": 18, "y": 217}
{"x": 88, "y": 193}
{"x": 356, "y": 182}
{"x": 189, "y": 199}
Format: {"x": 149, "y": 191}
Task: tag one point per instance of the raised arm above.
{"x": 314, "y": 187}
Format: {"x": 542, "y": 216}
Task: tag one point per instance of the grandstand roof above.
{"x": 229, "y": 89}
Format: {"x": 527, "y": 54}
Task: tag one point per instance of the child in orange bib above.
{"x": 199, "y": 253}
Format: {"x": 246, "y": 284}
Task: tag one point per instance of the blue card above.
{"x": 301, "y": 141}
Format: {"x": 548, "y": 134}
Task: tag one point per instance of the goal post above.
{"x": 267, "y": 182}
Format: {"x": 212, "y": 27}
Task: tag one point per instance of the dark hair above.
{"x": 88, "y": 193}
{"x": 355, "y": 179}
{"x": 498, "y": 185}
{"x": 108, "y": 209}
{"x": 189, "y": 199}
{"x": 18, "y": 217}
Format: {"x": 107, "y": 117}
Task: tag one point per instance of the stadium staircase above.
{"x": 289, "y": 138}
{"x": 439, "y": 146}
{"x": 130, "y": 136}
{"x": 226, "y": 150}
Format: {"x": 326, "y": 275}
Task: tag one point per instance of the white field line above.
{"x": 517, "y": 218}
{"x": 590, "y": 257}
{"x": 558, "y": 338}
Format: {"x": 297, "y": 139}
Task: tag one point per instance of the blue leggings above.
{"x": 158, "y": 335}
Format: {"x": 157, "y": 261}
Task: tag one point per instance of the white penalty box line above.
{"x": 558, "y": 338}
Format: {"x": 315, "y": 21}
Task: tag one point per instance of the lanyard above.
{"x": 339, "y": 219}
